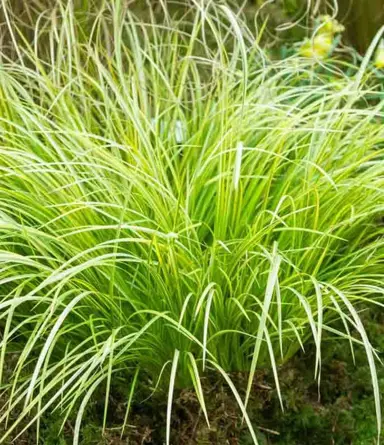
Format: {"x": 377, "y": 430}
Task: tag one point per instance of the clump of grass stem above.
{"x": 173, "y": 201}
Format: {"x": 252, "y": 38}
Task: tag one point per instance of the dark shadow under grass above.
{"x": 342, "y": 414}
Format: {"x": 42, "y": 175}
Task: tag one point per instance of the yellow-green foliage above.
{"x": 173, "y": 201}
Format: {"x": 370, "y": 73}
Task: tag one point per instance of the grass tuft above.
{"x": 174, "y": 201}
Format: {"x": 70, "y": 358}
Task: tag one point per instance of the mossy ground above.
{"x": 342, "y": 414}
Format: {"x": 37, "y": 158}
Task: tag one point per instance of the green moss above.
{"x": 343, "y": 414}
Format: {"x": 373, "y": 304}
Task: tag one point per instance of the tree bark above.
{"x": 362, "y": 19}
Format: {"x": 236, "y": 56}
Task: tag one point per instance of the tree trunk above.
{"x": 362, "y": 19}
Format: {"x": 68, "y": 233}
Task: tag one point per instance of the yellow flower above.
{"x": 379, "y": 57}
{"x": 318, "y": 48}
{"x": 330, "y": 25}
{"x": 321, "y": 45}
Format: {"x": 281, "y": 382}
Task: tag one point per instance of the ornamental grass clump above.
{"x": 172, "y": 203}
